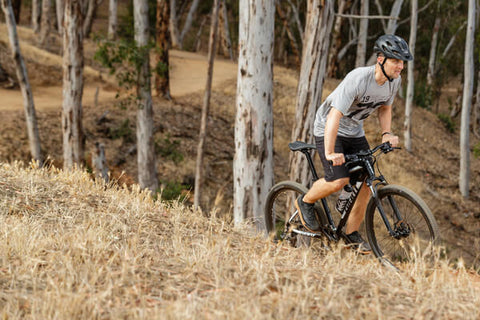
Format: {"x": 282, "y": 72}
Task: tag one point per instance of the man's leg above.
{"x": 355, "y": 219}
{"x": 358, "y": 211}
{"x": 304, "y": 204}
{"x": 322, "y": 188}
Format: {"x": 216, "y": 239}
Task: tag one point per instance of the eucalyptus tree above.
{"x": 206, "y": 105}
{"x": 60, "y": 9}
{"x": 312, "y": 74}
{"x": 469, "y": 67}
{"x": 22, "y": 75}
{"x": 113, "y": 19}
{"x": 73, "y": 61}
{"x": 46, "y": 20}
{"x": 253, "y": 160}
{"x": 147, "y": 173}
{"x": 411, "y": 79}
{"x": 362, "y": 34}
{"x": 162, "y": 74}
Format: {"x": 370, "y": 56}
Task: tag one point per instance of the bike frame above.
{"x": 333, "y": 231}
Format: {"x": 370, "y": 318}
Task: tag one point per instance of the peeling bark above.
{"x": 73, "y": 61}
{"x": 253, "y": 161}
{"x": 147, "y": 172}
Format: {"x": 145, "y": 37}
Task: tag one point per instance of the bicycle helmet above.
{"x": 394, "y": 47}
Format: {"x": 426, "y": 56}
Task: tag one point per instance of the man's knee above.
{"x": 338, "y": 184}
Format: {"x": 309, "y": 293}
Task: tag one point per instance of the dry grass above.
{"x": 73, "y": 248}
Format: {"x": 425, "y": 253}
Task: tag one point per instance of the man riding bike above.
{"x": 338, "y": 130}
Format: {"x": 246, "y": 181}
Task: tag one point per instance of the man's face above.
{"x": 393, "y": 67}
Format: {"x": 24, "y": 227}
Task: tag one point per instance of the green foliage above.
{"x": 173, "y": 190}
{"x": 161, "y": 68}
{"x": 122, "y": 58}
{"x": 122, "y": 132}
{"x": 447, "y": 122}
{"x": 423, "y": 95}
{"x": 476, "y": 150}
{"x": 169, "y": 149}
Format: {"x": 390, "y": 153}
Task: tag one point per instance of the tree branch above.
{"x": 356, "y": 16}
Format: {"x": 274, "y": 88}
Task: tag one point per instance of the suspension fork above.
{"x": 373, "y": 189}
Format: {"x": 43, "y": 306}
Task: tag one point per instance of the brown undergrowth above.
{"x": 71, "y": 248}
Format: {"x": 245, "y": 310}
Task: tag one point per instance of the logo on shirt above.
{"x": 362, "y": 110}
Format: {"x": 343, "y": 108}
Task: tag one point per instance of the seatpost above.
{"x": 310, "y": 163}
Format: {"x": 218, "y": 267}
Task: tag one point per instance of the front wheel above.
{"x": 414, "y": 227}
{"x": 279, "y": 208}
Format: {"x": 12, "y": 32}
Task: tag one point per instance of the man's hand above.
{"x": 389, "y": 137}
{"x": 337, "y": 159}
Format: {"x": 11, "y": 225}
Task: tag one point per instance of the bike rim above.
{"x": 417, "y": 235}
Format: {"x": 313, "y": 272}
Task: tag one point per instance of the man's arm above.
{"x": 385, "y": 119}
{"x": 331, "y": 130}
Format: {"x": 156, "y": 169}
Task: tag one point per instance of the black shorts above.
{"x": 342, "y": 145}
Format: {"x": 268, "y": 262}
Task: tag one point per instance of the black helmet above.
{"x": 393, "y": 46}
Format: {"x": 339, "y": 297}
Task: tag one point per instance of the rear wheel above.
{"x": 280, "y": 208}
{"x": 414, "y": 226}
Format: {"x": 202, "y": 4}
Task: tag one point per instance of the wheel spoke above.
{"x": 415, "y": 232}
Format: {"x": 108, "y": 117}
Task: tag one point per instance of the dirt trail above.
{"x": 187, "y": 75}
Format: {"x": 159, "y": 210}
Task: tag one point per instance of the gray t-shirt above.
{"x": 356, "y": 97}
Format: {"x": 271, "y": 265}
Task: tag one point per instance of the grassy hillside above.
{"x": 431, "y": 169}
{"x": 74, "y": 248}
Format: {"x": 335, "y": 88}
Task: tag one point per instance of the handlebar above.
{"x": 385, "y": 147}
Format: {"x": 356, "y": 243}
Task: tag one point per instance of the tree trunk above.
{"x": 60, "y": 8}
{"x": 410, "y": 86}
{"x": 297, "y": 20}
{"x": 188, "y": 21}
{"x": 291, "y": 36}
{"x": 73, "y": 137}
{"x": 253, "y": 161}
{"x": 336, "y": 41}
{"x": 99, "y": 162}
{"x": 16, "y": 7}
{"x": 174, "y": 33}
{"x": 312, "y": 73}
{"x": 113, "y": 19}
{"x": 433, "y": 52}
{"x": 30, "y": 116}
{"x": 362, "y": 35}
{"x": 36, "y": 14}
{"x": 380, "y": 12}
{"x": 199, "y": 42}
{"x": 452, "y": 40}
{"x": 476, "y": 109}
{"x": 88, "y": 22}
{"x": 469, "y": 67}
{"x": 392, "y": 25}
{"x": 206, "y": 106}
{"x": 46, "y": 20}
{"x": 162, "y": 76}
{"x": 223, "y": 27}
{"x": 280, "y": 45}
{"x": 147, "y": 173}
{"x": 394, "y": 12}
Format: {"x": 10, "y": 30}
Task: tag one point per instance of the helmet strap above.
{"x": 383, "y": 70}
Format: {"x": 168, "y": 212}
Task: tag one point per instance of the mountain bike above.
{"x": 398, "y": 223}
